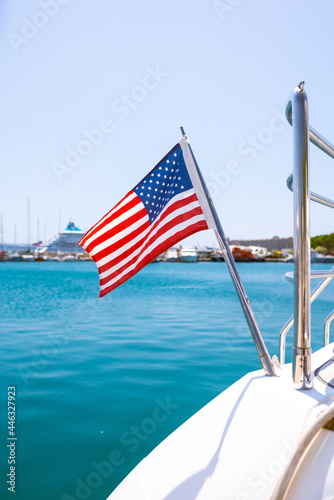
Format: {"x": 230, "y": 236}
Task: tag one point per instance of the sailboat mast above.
{"x": 59, "y": 225}
{"x": 1, "y": 232}
{"x": 28, "y": 223}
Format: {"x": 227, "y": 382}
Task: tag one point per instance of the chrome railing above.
{"x": 313, "y": 196}
{"x": 314, "y": 274}
{"x": 297, "y": 116}
{"x": 328, "y": 321}
{"x": 315, "y": 137}
{"x": 288, "y": 325}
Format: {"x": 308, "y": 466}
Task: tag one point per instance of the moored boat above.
{"x": 217, "y": 255}
{"x": 188, "y": 254}
{"x": 15, "y": 257}
{"x": 171, "y": 255}
{"x": 28, "y": 257}
{"x": 3, "y": 256}
{"x": 68, "y": 258}
{"x": 242, "y": 254}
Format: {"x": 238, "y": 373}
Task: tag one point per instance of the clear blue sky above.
{"x": 137, "y": 71}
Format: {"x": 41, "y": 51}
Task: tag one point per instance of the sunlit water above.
{"x": 99, "y": 383}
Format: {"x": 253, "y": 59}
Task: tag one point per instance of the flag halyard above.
{"x": 160, "y": 211}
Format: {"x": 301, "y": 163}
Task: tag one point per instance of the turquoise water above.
{"x": 99, "y": 383}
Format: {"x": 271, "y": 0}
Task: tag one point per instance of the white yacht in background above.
{"x": 188, "y": 254}
{"x": 269, "y": 435}
{"x": 68, "y": 258}
{"x": 171, "y": 255}
{"x": 66, "y": 241}
{"x": 315, "y": 257}
{"x": 329, "y": 259}
{"x": 14, "y": 257}
{"x": 27, "y": 257}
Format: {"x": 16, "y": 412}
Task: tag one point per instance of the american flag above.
{"x": 160, "y": 211}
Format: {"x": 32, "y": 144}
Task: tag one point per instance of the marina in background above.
{"x": 65, "y": 248}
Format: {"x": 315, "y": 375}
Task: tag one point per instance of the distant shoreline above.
{"x": 270, "y": 244}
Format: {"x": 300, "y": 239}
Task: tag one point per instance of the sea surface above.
{"x": 90, "y": 375}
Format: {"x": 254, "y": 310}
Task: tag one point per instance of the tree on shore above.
{"x": 326, "y": 241}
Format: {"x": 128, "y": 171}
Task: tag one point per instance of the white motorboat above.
{"x": 68, "y": 258}
{"x": 171, "y": 255}
{"x": 315, "y": 258}
{"x": 54, "y": 258}
{"x": 28, "y": 257}
{"x": 15, "y": 257}
{"x": 269, "y": 435}
{"x": 188, "y": 254}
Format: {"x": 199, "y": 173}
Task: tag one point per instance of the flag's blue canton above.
{"x": 167, "y": 179}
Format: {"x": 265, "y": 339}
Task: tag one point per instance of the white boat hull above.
{"x": 188, "y": 258}
{"x": 238, "y": 446}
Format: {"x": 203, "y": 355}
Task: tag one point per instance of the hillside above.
{"x": 323, "y": 243}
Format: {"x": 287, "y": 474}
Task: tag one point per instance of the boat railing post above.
{"x": 301, "y": 354}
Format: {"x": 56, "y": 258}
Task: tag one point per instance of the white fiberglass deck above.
{"x": 237, "y": 446}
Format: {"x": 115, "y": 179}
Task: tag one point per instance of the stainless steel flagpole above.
{"x": 228, "y": 257}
